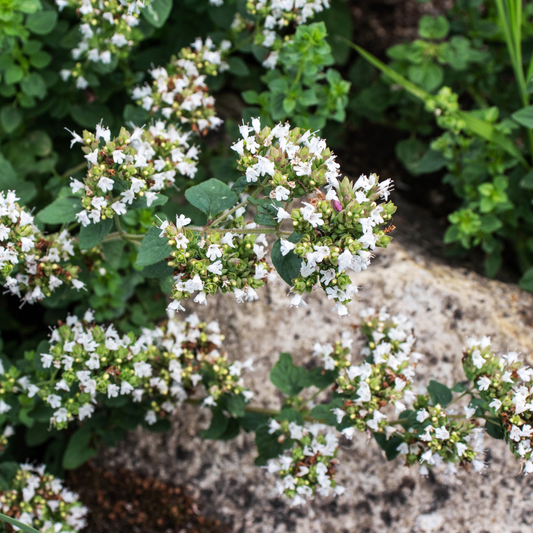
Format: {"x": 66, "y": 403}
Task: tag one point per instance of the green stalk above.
{"x": 20, "y": 525}
{"x": 510, "y": 18}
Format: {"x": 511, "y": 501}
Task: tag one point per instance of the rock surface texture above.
{"x": 446, "y": 305}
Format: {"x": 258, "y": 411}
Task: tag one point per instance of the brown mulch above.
{"x": 124, "y": 502}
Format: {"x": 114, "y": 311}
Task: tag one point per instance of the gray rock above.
{"x": 447, "y": 305}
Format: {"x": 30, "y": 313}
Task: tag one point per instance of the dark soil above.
{"x": 123, "y": 502}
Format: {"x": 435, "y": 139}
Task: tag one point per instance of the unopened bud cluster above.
{"x": 179, "y": 92}
{"x": 33, "y": 264}
{"x": 205, "y": 264}
{"x": 158, "y": 369}
{"x": 310, "y": 466}
{"x": 445, "y": 106}
{"x": 108, "y": 32}
{"x": 40, "y": 501}
{"x": 146, "y": 161}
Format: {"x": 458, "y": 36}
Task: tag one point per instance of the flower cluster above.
{"x": 438, "y": 441}
{"x": 32, "y": 264}
{"x": 276, "y": 15}
{"x": 293, "y": 162}
{"x": 218, "y": 260}
{"x": 15, "y": 388}
{"x": 384, "y": 378}
{"x": 179, "y": 92}
{"x": 335, "y": 357}
{"x": 504, "y": 383}
{"x": 158, "y": 369}
{"x": 138, "y": 164}
{"x": 338, "y": 232}
{"x": 310, "y": 467}
{"x": 39, "y": 500}
{"x": 108, "y": 30}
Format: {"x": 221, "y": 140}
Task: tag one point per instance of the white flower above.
{"x": 182, "y": 221}
{"x": 92, "y": 157}
{"x": 286, "y": 246}
{"x": 483, "y": 383}
{"x": 105, "y": 184}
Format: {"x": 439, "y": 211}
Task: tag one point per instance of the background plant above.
{"x": 463, "y": 61}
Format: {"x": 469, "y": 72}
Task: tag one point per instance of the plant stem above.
{"x": 269, "y": 230}
{"x": 73, "y": 170}
{"x": 312, "y": 398}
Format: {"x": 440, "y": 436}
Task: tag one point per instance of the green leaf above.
{"x": 432, "y": 161}
{"x": 268, "y": 445}
{"x": 440, "y": 394}
{"x": 42, "y": 347}
{"x": 88, "y": 115}
{"x": 266, "y": 215}
{"x": 433, "y": 27}
{"x": 8, "y": 471}
{"x": 157, "y": 12}
{"x": 490, "y": 223}
{"x": 40, "y": 59}
{"x": 78, "y": 449}
{"x": 529, "y": 87}
{"x": 253, "y": 421}
{"x": 289, "y": 104}
{"x": 410, "y": 152}
{"x": 34, "y": 85}
{"x": 153, "y": 248}
{"x": 218, "y": 426}
{"x": 10, "y": 118}
{"x": 290, "y": 414}
{"x": 288, "y": 266}
{"x": 250, "y": 97}
{"x": 238, "y": 67}
{"x": 113, "y": 252}
{"x": 135, "y": 114}
{"x": 495, "y": 430}
{"x": 236, "y": 404}
{"x": 321, "y": 378}
{"x": 526, "y": 281}
{"x": 13, "y": 74}
{"x": 38, "y": 434}
{"x": 211, "y": 197}
{"x": 42, "y": 22}
{"x": 524, "y": 117}
{"x": 287, "y": 377}
{"x": 94, "y": 234}
{"x": 240, "y": 185}
{"x": 429, "y": 76}
{"x": 159, "y": 270}
{"x": 324, "y": 412}
{"x": 390, "y": 446}
{"x": 527, "y": 181}
{"x": 20, "y": 525}
{"x": 458, "y": 387}
{"x": 60, "y": 211}
{"x": 29, "y": 6}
